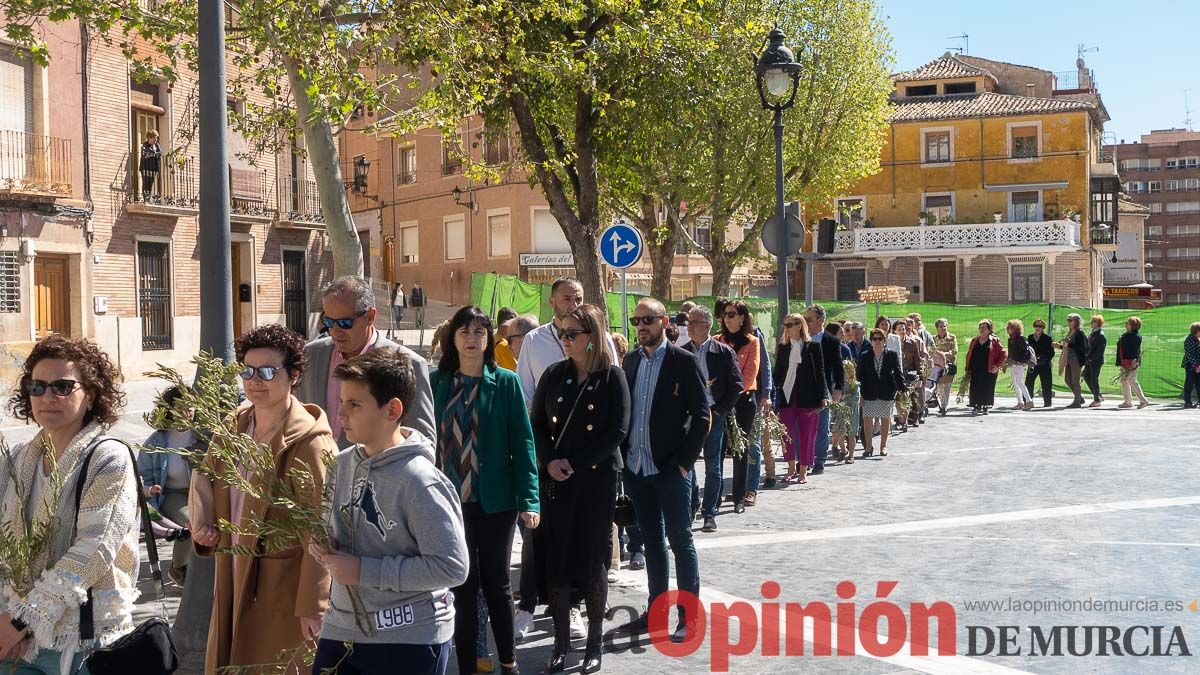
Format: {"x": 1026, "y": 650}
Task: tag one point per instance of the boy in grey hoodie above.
{"x": 396, "y": 534}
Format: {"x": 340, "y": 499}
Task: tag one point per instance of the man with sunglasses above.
{"x": 348, "y": 312}
{"x": 668, "y": 423}
{"x": 541, "y": 347}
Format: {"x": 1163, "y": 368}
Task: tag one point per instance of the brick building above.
{"x": 90, "y": 247}
{"x": 992, "y": 189}
{"x": 1162, "y": 173}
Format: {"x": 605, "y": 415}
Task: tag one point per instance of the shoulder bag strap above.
{"x": 87, "y": 629}
{"x": 567, "y": 423}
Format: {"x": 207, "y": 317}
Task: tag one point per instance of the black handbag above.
{"x": 148, "y": 649}
{"x": 623, "y": 514}
{"x": 951, "y": 370}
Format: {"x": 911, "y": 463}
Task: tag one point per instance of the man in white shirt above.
{"x": 541, "y": 347}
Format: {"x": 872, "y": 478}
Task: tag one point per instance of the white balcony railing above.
{"x": 967, "y": 238}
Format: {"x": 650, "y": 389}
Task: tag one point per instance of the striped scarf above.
{"x": 459, "y": 436}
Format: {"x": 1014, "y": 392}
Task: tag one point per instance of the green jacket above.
{"x": 507, "y": 460}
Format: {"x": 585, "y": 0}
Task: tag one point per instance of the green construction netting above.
{"x": 1163, "y": 328}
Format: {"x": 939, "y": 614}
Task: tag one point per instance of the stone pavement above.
{"x": 1057, "y": 506}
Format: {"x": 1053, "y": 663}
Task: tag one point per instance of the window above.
{"x": 1183, "y": 275}
{"x": 1191, "y": 184}
{"x": 921, "y": 90}
{"x": 1151, "y": 163}
{"x": 1183, "y": 207}
{"x": 1026, "y": 283}
{"x": 849, "y": 283}
{"x": 10, "y": 282}
{"x": 1189, "y": 229}
{"x": 1183, "y": 298}
{"x": 16, "y": 92}
{"x": 960, "y": 88}
{"x": 499, "y": 235}
{"x": 409, "y": 251}
{"x": 1154, "y": 275}
{"x": 407, "y": 163}
{"x": 452, "y": 155}
{"x": 1026, "y": 206}
{"x": 148, "y": 114}
{"x": 1154, "y": 254}
{"x": 548, "y": 236}
{"x": 1154, "y": 230}
{"x": 1023, "y": 141}
{"x": 1154, "y": 186}
{"x": 496, "y": 146}
{"x": 700, "y": 230}
{"x": 1174, "y": 185}
{"x": 936, "y": 148}
{"x": 939, "y": 208}
{"x": 1192, "y": 162}
{"x": 1144, "y": 164}
{"x": 1135, "y": 186}
{"x": 1173, "y": 163}
{"x": 851, "y": 212}
{"x": 154, "y": 294}
{"x": 1183, "y": 253}
{"x": 456, "y": 238}
{"x": 1156, "y": 207}
{"x": 295, "y": 291}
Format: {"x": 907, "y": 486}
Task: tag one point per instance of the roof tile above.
{"x": 944, "y": 67}
{"x": 980, "y": 104}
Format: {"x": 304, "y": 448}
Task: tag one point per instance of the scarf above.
{"x": 795, "y": 356}
{"x": 735, "y": 340}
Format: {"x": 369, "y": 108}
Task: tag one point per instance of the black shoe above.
{"x": 592, "y": 658}
{"x": 558, "y": 660}
{"x": 637, "y": 561}
{"x": 710, "y": 524}
{"x": 636, "y": 627}
{"x": 769, "y": 482}
{"x": 680, "y": 634}
{"x": 510, "y": 671}
{"x": 817, "y": 470}
{"x": 739, "y": 507}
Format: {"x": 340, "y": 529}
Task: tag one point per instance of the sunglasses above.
{"x": 570, "y": 334}
{"x": 878, "y": 340}
{"x": 732, "y": 315}
{"x": 645, "y": 320}
{"x": 36, "y": 388}
{"x": 265, "y": 373}
{"x": 344, "y": 324}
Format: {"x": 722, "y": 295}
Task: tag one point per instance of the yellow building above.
{"x": 991, "y": 190}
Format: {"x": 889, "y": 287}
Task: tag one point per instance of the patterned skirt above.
{"x": 878, "y": 409}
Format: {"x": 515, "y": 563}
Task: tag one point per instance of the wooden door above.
{"x": 939, "y": 281}
{"x": 235, "y": 257}
{"x": 51, "y": 296}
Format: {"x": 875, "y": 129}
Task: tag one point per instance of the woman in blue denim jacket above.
{"x": 166, "y": 477}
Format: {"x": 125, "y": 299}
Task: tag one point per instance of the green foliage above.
{"x": 21, "y": 546}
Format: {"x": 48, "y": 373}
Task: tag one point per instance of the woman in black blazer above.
{"x": 580, "y": 416}
{"x": 799, "y": 376}
{"x": 879, "y": 379}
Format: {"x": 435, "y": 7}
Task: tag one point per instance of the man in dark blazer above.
{"x": 835, "y": 379}
{"x": 350, "y": 300}
{"x": 669, "y": 420}
{"x": 719, "y": 367}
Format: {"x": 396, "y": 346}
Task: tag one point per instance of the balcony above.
{"x": 249, "y": 196}
{"x": 300, "y": 204}
{"x": 173, "y": 191}
{"x": 1103, "y": 238}
{"x": 34, "y": 167}
{"x": 1036, "y": 237}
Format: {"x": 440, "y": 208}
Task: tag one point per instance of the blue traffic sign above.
{"x": 620, "y": 246}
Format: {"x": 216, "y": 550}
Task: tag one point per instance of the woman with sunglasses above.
{"x": 580, "y": 416}
{"x": 737, "y": 331}
{"x": 71, "y": 390}
{"x": 1043, "y": 349}
{"x": 276, "y": 600}
{"x": 485, "y": 447}
{"x": 799, "y": 375}
{"x": 879, "y": 380}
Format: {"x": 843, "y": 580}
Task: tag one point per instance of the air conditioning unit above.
{"x": 408, "y": 259}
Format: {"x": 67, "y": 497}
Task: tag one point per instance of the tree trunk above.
{"x": 660, "y": 242}
{"x": 327, "y": 171}
{"x": 722, "y": 267}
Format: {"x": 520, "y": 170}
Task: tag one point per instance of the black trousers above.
{"x": 743, "y": 414}
{"x": 336, "y": 658}
{"x": 1191, "y": 383}
{"x": 1046, "y": 374}
{"x": 489, "y": 543}
{"x": 1091, "y": 375}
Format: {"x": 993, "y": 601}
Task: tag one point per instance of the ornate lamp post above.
{"x": 778, "y": 76}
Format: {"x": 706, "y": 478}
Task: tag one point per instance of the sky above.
{"x": 1148, "y": 51}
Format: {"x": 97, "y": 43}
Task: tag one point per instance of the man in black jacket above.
{"x": 417, "y": 302}
{"x": 1043, "y": 348}
{"x": 835, "y": 379}
{"x": 669, "y": 420}
{"x": 719, "y": 367}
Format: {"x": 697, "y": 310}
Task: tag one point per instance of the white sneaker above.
{"x": 522, "y": 624}
{"x": 612, "y": 575}
{"x": 577, "y": 628}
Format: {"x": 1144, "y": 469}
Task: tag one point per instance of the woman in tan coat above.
{"x": 266, "y": 606}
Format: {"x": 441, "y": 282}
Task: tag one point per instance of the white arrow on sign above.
{"x": 618, "y": 247}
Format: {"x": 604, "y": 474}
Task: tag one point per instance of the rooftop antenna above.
{"x": 1187, "y": 109}
{"x": 1082, "y": 49}
{"x": 966, "y": 43}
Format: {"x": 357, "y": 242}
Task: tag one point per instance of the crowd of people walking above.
{"x": 548, "y": 429}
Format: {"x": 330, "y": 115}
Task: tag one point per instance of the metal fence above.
{"x": 35, "y": 163}
{"x": 176, "y": 183}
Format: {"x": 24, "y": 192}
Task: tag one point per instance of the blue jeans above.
{"x": 46, "y": 663}
{"x": 631, "y": 539}
{"x": 714, "y": 481}
{"x": 363, "y": 658}
{"x": 754, "y": 469}
{"x": 662, "y": 503}
{"x": 822, "y": 448}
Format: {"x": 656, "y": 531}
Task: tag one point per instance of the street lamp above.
{"x": 778, "y": 76}
{"x": 457, "y": 193}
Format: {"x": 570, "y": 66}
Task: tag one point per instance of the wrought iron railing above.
{"x": 34, "y": 163}
{"x": 300, "y": 201}
{"x": 176, "y": 183}
{"x": 1102, "y": 236}
{"x": 959, "y": 236}
{"x": 249, "y": 192}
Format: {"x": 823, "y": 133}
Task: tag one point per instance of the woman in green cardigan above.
{"x": 485, "y": 446}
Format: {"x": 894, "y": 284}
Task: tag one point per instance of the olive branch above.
{"x": 23, "y": 540}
